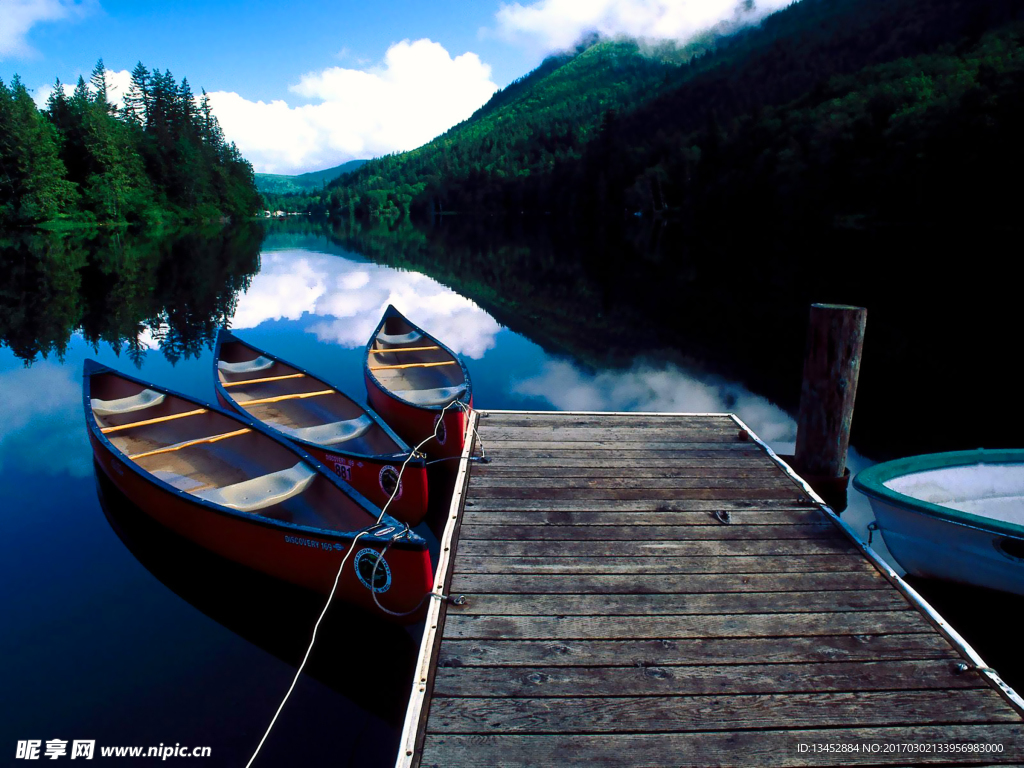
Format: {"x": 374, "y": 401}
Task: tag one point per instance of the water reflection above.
{"x": 40, "y": 411}
{"x": 273, "y": 615}
{"x": 349, "y": 297}
{"x": 668, "y": 389}
{"x": 123, "y": 290}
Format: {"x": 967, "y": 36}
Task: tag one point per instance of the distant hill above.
{"x": 277, "y": 184}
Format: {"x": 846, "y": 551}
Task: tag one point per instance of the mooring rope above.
{"x": 405, "y": 532}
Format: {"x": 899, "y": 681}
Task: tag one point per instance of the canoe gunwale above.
{"x": 871, "y": 482}
{"x": 410, "y": 541}
{"x": 465, "y": 398}
{"x": 404, "y": 449}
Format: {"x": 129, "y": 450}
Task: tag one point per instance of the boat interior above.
{"x": 414, "y": 367}
{"x": 299, "y": 405}
{"x": 215, "y": 457}
{"x": 995, "y": 491}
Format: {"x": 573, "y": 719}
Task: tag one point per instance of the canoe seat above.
{"x": 330, "y": 434}
{"x": 435, "y": 396}
{"x": 399, "y": 338}
{"x": 263, "y": 491}
{"x": 246, "y": 366}
{"x": 147, "y": 398}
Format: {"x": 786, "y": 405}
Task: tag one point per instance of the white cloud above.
{"x": 118, "y": 84}
{"x": 668, "y": 390}
{"x": 550, "y": 25}
{"x": 351, "y": 296}
{"x": 41, "y": 414}
{"x": 19, "y": 16}
{"x": 418, "y": 92}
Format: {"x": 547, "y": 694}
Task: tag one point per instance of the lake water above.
{"x": 115, "y": 630}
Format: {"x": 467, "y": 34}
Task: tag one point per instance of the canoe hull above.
{"x": 370, "y": 475}
{"x": 940, "y": 549}
{"x": 305, "y": 559}
{"x": 414, "y": 424}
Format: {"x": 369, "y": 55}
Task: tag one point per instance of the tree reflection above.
{"x": 123, "y": 290}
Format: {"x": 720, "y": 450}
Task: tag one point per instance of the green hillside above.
{"x": 277, "y": 184}
{"x": 612, "y": 129}
{"x": 544, "y": 117}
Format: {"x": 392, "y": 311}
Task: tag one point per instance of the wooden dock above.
{"x": 646, "y": 589}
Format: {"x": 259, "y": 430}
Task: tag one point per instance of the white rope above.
{"x": 373, "y": 576}
{"x": 308, "y": 650}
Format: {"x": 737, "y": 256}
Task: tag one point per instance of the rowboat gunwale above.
{"x": 410, "y": 541}
{"x": 404, "y": 451}
{"x": 465, "y": 398}
{"x": 871, "y": 482}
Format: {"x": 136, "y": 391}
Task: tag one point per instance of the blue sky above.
{"x": 307, "y": 85}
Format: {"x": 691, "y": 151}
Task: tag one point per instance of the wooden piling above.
{"x": 835, "y": 340}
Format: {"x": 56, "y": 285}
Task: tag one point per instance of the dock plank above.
{"x": 756, "y": 517}
{"x": 682, "y": 547}
{"x": 734, "y": 748}
{"x": 657, "y": 714}
{"x": 694, "y": 651}
{"x": 710, "y": 531}
{"x": 611, "y": 612}
{"x": 663, "y": 564}
{"x": 815, "y": 601}
{"x": 535, "y": 682}
{"x": 640, "y": 626}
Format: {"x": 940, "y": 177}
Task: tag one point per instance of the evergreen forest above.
{"x": 161, "y": 158}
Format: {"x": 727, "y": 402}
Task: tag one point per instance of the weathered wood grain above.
{"x": 758, "y": 518}
{"x": 536, "y": 682}
{"x": 638, "y": 505}
{"x": 638, "y": 626}
{"x": 671, "y": 714}
{"x": 752, "y": 483}
{"x": 682, "y": 548}
{"x": 639, "y": 419}
{"x": 612, "y": 618}
{"x": 788, "y": 492}
{"x": 755, "y": 748}
{"x": 620, "y": 435}
{"x": 694, "y": 651}
{"x": 491, "y": 473}
{"x": 673, "y": 447}
{"x": 816, "y": 601}
{"x": 710, "y": 532}
{"x": 650, "y": 565}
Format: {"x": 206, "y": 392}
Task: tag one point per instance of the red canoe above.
{"x": 414, "y": 381}
{"x": 228, "y": 485}
{"x": 347, "y": 437}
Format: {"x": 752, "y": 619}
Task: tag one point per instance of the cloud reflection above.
{"x": 41, "y": 416}
{"x": 668, "y": 389}
{"x": 351, "y": 296}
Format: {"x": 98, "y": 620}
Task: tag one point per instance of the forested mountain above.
{"x": 842, "y": 109}
{"x": 524, "y": 129}
{"x": 162, "y": 156}
{"x": 278, "y": 184}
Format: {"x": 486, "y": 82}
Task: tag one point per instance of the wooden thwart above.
{"x": 411, "y": 365}
{"x": 279, "y": 398}
{"x": 190, "y": 443}
{"x": 263, "y": 380}
{"x": 147, "y": 422}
